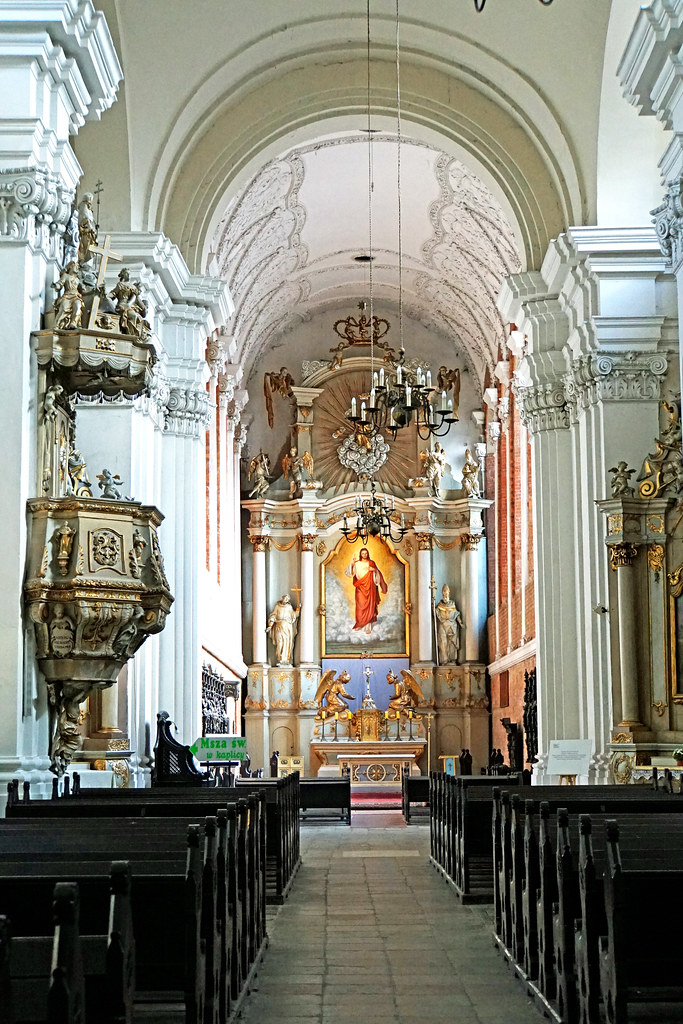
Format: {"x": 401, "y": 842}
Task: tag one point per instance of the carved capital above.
{"x": 622, "y": 555}
{"x": 668, "y": 220}
{"x": 34, "y": 208}
{"x": 424, "y": 541}
{"x": 226, "y": 390}
{"x": 542, "y": 406}
{"x": 630, "y": 376}
{"x": 307, "y": 541}
{"x": 259, "y": 543}
{"x": 470, "y": 541}
{"x": 187, "y": 410}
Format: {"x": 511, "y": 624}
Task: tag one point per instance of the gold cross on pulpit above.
{"x": 106, "y": 253}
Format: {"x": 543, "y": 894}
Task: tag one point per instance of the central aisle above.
{"x": 371, "y": 933}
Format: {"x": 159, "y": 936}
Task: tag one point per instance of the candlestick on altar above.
{"x": 410, "y": 723}
{"x": 322, "y": 735}
{"x": 336, "y": 723}
{"x": 398, "y": 725}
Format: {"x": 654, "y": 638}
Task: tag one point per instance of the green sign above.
{"x": 220, "y": 748}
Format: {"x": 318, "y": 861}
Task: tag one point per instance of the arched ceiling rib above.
{"x": 287, "y": 244}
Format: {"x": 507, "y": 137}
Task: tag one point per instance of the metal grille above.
{"x": 215, "y": 693}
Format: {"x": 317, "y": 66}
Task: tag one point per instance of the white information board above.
{"x": 569, "y": 757}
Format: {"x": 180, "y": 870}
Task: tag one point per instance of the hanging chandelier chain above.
{"x": 398, "y": 177}
{"x": 371, "y": 188}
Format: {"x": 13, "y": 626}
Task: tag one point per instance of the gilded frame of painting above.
{"x": 402, "y": 650}
{"x": 675, "y": 580}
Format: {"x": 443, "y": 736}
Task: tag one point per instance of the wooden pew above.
{"x": 634, "y": 966}
{"x": 414, "y": 789}
{"x": 327, "y": 794}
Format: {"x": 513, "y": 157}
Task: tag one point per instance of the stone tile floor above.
{"x": 371, "y": 933}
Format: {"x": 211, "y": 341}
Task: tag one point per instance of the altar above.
{"x": 371, "y": 763}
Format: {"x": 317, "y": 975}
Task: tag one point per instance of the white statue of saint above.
{"x": 448, "y": 624}
{"x": 281, "y": 628}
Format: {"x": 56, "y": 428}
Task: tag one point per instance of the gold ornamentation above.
{"x": 80, "y": 561}
{"x": 105, "y": 548}
{"x": 424, "y": 673}
{"x": 424, "y": 541}
{"x": 281, "y": 547}
{"x": 449, "y": 676}
{"x": 276, "y": 384}
{"x": 306, "y": 705}
{"x": 256, "y": 705}
{"x": 622, "y": 768}
{"x": 615, "y": 524}
{"x": 452, "y": 702}
{"x": 655, "y": 559}
{"x": 283, "y": 705}
{"x": 622, "y": 555}
{"x": 469, "y": 541}
{"x": 655, "y": 524}
{"x": 659, "y": 707}
{"x": 663, "y": 468}
{"x": 117, "y": 745}
{"x": 259, "y": 543}
{"x": 447, "y": 547}
{"x": 66, "y": 536}
{"x": 407, "y": 608}
{"x": 622, "y": 737}
{"x": 408, "y": 547}
{"x": 321, "y": 548}
{"x": 322, "y": 610}
{"x": 105, "y": 344}
{"x": 307, "y": 541}
{"x": 42, "y": 572}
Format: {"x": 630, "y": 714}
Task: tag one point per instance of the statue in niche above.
{"x": 282, "y": 628}
{"x": 301, "y": 469}
{"x": 335, "y": 689}
{"x": 68, "y": 306}
{"x": 434, "y": 467}
{"x": 448, "y": 626}
{"x": 131, "y": 308}
{"x": 259, "y": 468}
{"x": 87, "y": 229}
{"x": 407, "y": 692}
{"x": 276, "y": 383}
{"x": 620, "y": 482}
{"x": 62, "y": 632}
{"x": 470, "y": 476}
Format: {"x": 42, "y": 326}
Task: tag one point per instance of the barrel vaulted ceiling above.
{"x": 239, "y": 134}
{"x": 288, "y": 243}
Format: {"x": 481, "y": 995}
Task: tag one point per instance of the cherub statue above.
{"x": 337, "y": 696}
{"x": 470, "y": 476}
{"x": 131, "y": 308}
{"x": 434, "y": 466}
{"x": 109, "y": 485}
{"x": 276, "y": 383}
{"x": 50, "y": 402}
{"x": 68, "y": 306}
{"x": 620, "y": 481}
{"x": 300, "y": 467}
{"x": 407, "y": 692}
{"x": 259, "y": 468}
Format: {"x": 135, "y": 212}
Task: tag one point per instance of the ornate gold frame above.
{"x": 675, "y": 581}
{"x": 406, "y": 603}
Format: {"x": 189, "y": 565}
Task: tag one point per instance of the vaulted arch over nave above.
{"x": 231, "y": 144}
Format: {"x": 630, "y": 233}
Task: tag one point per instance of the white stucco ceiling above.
{"x": 287, "y": 244}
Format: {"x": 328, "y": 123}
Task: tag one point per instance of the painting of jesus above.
{"x": 368, "y": 582}
{"x": 363, "y": 595}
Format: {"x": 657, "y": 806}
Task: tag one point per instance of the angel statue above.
{"x": 259, "y": 468}
{"x": 109, "y": 484}
{"x": 407, "y": 692}
{"x": 434, "y": 467}
{"x": 276, "y": 383}
{"x": 447, "y": 379}
{"x": 300, "y": 467}
{"x": 335, "y": 691}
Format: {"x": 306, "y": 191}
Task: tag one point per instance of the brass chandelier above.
{"x": 373, "y": 519}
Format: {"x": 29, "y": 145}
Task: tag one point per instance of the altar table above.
{"x": 373, "y": 763}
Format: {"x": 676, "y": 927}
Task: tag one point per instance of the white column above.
{"x": 307, "y": 617}
{"x": 424, "y": 597}
{"x": 212, "y": 432}
{"x": 622, "y": 557}
{"x": 259, "y": 617}
{"x": 44, "y": 65}
{"x": 471, "y": 598}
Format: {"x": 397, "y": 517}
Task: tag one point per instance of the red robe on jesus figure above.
{"x": 367, "y": 581}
